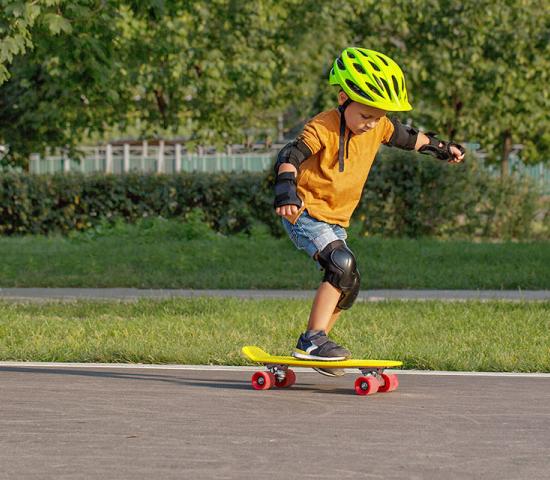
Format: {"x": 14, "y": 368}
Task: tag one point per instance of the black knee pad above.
{"x": 341, "y": 271}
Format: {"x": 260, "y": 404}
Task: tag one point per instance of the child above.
{"x": 320, "y": 178}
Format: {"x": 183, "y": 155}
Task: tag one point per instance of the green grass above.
{"x": 172, "y": 257}
{"x": 492, "y": 336}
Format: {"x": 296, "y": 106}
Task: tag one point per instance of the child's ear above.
{"x": 342, "y": 97}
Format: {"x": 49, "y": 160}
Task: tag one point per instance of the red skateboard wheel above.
{"x": 289, "y": 380}
{"x": 366, "y": 385}
{"x": 263, "y": 380}
{"x": 390, "y": 383}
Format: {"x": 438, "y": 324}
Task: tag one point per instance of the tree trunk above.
{"x": 506, "y": 150}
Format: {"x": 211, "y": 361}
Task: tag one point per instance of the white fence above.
{"x": 159, "y": 158}
{"x": 173, "y": 158}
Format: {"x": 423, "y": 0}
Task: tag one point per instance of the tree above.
{"x": 210, "y": 69}
{"x": 67, "y": 82}
{"x": 478, "y": 71}
{"x": 216, "y": 71}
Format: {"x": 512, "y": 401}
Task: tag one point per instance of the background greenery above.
{"x": 406, "y": 195}
{"x": 224, "y": 70}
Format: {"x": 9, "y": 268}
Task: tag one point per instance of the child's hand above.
{"x": 286, "y": 210}
{"x": 458, "y": 156}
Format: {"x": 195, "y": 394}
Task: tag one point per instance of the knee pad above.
{"x": 341, "y": 271}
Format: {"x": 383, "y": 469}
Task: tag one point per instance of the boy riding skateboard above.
{"x": 320, "y": 178}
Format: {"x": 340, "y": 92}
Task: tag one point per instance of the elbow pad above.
{"x": 294, "y": 152}
{"x": 438, "y": 148}
{"x": 403, "y": 136}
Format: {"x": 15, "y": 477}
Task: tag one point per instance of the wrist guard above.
{"x": 285, "y": 190}
{"x": 439, "y": 148}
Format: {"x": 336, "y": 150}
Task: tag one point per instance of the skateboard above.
{"x": 279, "y": 374}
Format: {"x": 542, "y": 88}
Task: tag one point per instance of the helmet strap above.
{"x": 342, "y": 109}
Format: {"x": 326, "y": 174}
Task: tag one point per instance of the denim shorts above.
{"x": 313, "y": 235}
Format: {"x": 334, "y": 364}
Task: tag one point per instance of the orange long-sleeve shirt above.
{"x": 328, "y": 194}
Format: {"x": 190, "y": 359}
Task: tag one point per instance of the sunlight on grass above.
{"x": 488, "y": 336}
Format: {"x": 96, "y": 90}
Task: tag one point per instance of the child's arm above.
{"x": 289, "y": 159}
{"x": 410, "y": 138}
{"x": 431, "y": 145}
{"x": 285, "y": 210}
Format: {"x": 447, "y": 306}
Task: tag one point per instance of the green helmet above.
{"x": 371, "y": 78}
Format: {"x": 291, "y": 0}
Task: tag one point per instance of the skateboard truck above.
{"x": 279, "y": 371}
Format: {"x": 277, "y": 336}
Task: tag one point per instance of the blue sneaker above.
{"x": 315, "y": 345}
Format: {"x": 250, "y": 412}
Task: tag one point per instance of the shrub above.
{"x": 406, "y": 195}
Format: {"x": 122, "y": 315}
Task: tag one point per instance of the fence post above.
{"x": 200, "y": 160}
{"x": 126, "y": 158}
{"x": 34, "y": 164}
{"x": 144, "y": 154}
{"x": 96, "y": 159}
{"x": 66, "y": 163}
{"x": 109, "y": 162}
{"x": 178, "y": 157}
{"x": 280, "y": 129}
{"x": 160, "y": 161}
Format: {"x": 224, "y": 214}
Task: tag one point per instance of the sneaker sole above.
{"x": 305, "y": 356}
{"x": 330, "y": 372}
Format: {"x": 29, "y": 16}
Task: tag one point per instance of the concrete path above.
{"x": 132, "y": 294}
{"x": 131, "y": 423}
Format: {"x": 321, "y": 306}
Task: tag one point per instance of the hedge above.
{"x": 406, "y": 195}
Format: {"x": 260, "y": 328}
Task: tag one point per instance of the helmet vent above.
{"x": 383, "y": 60}
{"x": 340, "y": 64}
{"x": 350, "y": 55}
{"x": 376, "y": 67}
{"x": 363, "y": 53}
{"x": 374, "y": 89}
{"x": 357, "y": 90}
{"x": 359, "y": 68}
{"x": 395, "y": 84}
{"x": 386, "y": 86}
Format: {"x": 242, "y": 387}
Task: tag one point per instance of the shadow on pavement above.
{"x": 221, "y": 383}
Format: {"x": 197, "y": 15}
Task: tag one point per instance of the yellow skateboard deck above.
{"x": 256, "y": 354}
{"x": 279, "y": 375}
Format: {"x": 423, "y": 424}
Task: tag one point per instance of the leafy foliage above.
{"x": 220, "y": 71}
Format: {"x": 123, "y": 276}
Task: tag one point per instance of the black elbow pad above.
{"x": 403, "y": 136}
{"x": 294, "y": 152}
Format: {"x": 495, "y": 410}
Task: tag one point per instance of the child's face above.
{"x": 360, "y": 118}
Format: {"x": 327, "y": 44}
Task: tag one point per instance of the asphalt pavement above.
{"x": 131, "y": 423}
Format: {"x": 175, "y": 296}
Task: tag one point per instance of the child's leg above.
{"x": 324, "y": 307}
{"x": 333, "y": 318}
{"x": 324, "y": 313}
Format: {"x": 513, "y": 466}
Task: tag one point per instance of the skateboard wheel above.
{"x": 390, "y": 383}
{"x": 263, "y": 380}
{"x": 290, "y": 379}
{"x": 366, "y": 385}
